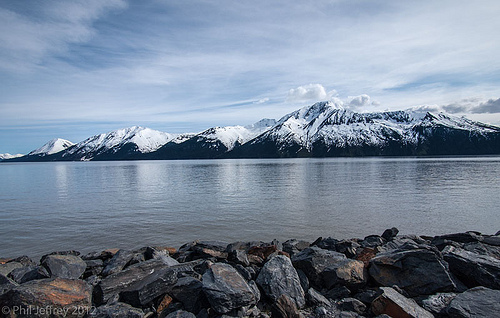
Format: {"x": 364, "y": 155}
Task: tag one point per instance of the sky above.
{"x": 73, "y": 69}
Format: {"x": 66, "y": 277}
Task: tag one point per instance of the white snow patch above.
{"x": 52, "y": 147}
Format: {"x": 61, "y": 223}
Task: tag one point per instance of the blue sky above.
{"x": 72, "y": 69}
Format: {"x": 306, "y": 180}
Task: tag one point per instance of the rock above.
{"x": 418, "y": 272}
{"x": 372, "y": 241}
{"x": 347, "y": 247}
{"x": 304, "y": 281}
{"x": 24, "y": 260}
{"x": 239, "y": 257}
{"x": 352, "y": 304}
{"x": 6, "y": 284}
{"x": 338, "y": 293}
{"x": 60, "y": 296}
{"x": 278, "y": 277}
{"x": 492, "y": 240}
{"x": 346, "y": 272}
{"x": 262, "y": 251}
{"x": 117, "y": 310}
{"x": 473, "y": 269}
{"x": 475, "y": 302}
{"x": 181, "y": 314}
{"x": 497, "y": 233}
{"x": 390, "y": 233}
{"x": 25, "y": 274}
{"x": 247, "y": 275}
{"x": 188, "y": 291}
{"x": 255, "y": 289}
{"x": 118, "y": 262}
{"x": 93, "y": 267}
{"x": 460, "y": 238}
{"x": 437, "y": 304}
{"x": 285, "y": 307}
{"x": 208, "y": 249}
{"x": 368, "y": 296}
{"x": 64, "y": 266}
{"x": 6, "y": 268}
{"x": 314, "y": 298}
{"x": 365, "y": 255}
{"x": 295, "y": 246}
{"x": 313, "y": 260}
{"x": 392, "y": 303}
{"x": 483, "y": 249}
{"x": 226, "y": 289}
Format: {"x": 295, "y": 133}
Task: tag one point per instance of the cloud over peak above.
{"x": 307, "y": 93}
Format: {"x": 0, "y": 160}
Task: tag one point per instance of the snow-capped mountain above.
{"x": 52, "y": 147}
{"x": 5, "y": 156}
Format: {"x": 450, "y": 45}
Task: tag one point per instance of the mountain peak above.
{"x": 53, "y": 146}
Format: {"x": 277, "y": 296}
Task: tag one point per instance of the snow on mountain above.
{"x": 4, "y": 156}
{"x": 144, "y": 139}
{"x": 52, "y": 147}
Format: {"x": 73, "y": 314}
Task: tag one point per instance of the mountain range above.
{"x": 324, "y": 129}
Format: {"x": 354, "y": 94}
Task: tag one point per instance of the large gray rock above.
{"x": 313, "y": 261}
{"x": 226, "y": 289}
{"x": 392, "y": 303}
{"x": 437, "y": 304}
{"x": 294, "y": 246}
{"x": 117, "y": 310}
{"x": 6, "y": 284}
{"x": 347, "y": 272}
{"x": 285, "y": 307}
{"x": 181, "y": 314}
{"x": 478, "y": 302}
{"x": 118, "y": 262}
{"x": 64, "y": 266}
{"x": 5, "y": 269}
{"x": 188, "y": 290}
{"x": 473, "y": 269}
{"x": 25, "y": 274}
{"x": 278, "y": 277}
{"x": 418, "y": 272}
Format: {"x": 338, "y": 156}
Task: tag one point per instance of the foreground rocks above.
{"x": 388, "y": 275}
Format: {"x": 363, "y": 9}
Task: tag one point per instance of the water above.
{"x": 90, "y": 206}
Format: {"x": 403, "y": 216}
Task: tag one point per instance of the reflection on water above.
{"x": 96, "y": 205}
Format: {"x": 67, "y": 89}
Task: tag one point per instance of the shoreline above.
{"x": 381, "y": 274}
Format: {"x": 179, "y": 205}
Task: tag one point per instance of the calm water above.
{"x": 96, "y": 205}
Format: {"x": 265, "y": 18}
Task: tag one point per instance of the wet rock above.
{"x": 475, "y": 302}
{"x": 285, "y": 307}
{"x": 390, "y": 233}
{"x": 226, "y": 289}
{"x": 418, "y": 272}
{"x": 118, "y": 262}
{"x": 28, "y": 273}
{"x": 437, "y": 304}
{"x": 278, "y": 277}
{"x": 6, "y": 268}
{"x": 181, "y": 314}
{"x": 314, "y": 298}
{"x": 372, "y": 241}
{"x": 392, "y": 303}
{"x": 117, "y": 310}
{"x": 294, "y": 246}
{"x": 57, "y": 294}
{"x": 346, "y": 272}
{"x": 352, "y": 304}
{"x": 64, "y": 266}
{"x": 188, "y": 291}
{"x": 473, "y": 269}
{"x": 313, "y": 260}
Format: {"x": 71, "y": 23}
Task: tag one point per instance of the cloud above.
{"x": 474, "y": 106}
{"x": 491, "y": 106}
{"x": 311, "y": 92}
{"x": 427, "y": 108}
{"x": 359, "y": 101}
{"x": 262, "y": 101}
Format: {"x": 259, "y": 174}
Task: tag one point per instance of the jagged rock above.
{"x": 372, "y": 241}
{"x": 6, "y": 284}
{"x": 313, "y": 260}
{"x": 473, "y": 269}
{"x": 390, "y": 233}
{"x": 262, "y": 252}
{"x": 294, "y": 246}
{"x": 338, "y": 293}
{"x": 365, "y": 255}
{"x": 226, "y": 289}
{"x": 368, "y": 296}
{"x": 6, "y": 268}
{"x": 460, "y": 238}
{"x": 64, "y": 266}
{"x": 207, "y": 249}
{"x": 58, "y": 294}
{"x": 188, "y": 291}
{"x": 117, "y": 310}
{"x": 483, "y": 249}
{"x": 278, "y": 277}
{"x": 347, "y": 272}
{"x": 437, "y": 304}
{"x": 25, "y": 274}
{"x": 247, "y": 275}
{"x": 392, "y": 303}
{"x": 118, "y": 262}
{"x": 347, "y": 247}
{"x": 418, "y": 272}
{"x": 93, "y": 267}
{"x": 314, "y": 298}
{"x": 164, "y": 304}
{"x": 352, "y": 304}
{"x": 476, "y": 302}
{"x": 239, "y": 257}
{"x": 24, "y": 260}
{"x": 181, "y": 314}
{"x": 255, "y": 289}
{"x": 492, "y": 240}
{"x": 304, "y": 281}
{"x": 285, "y": 307}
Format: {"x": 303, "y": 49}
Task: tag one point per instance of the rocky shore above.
{"x": 388, "y": 275}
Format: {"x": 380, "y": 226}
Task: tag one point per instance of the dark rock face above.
{"x": 5, "y": 269}
{"x": 418, "y": 272}
{"x": 352, "y": 305}
{"x": 437, "y": 304}
{"x": 390, "y": 233}
{"x": 394, "y": 304}
{"x": 27, "y": 273}
{"x": 473, "y": 269}
{"x": 117, "y": 310}
{"x": 188, "y": 290}
{"x": 349, "y": 273}
{"x": 118, "y": 262}
{"x": 285, "y": 307}
{"x": 226, "y": 289}
{"x": 475, "y": 302}
{"x": 6, "y": 284}
{"x": 278, "y": 277}
{"x": 64, "y": 266}
{"x": 180, "y": 314}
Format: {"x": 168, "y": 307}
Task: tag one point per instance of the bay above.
{"x": 89, "y": 206}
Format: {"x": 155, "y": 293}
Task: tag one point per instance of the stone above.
{"x": 372, "y": 241}
{"x": 255, "y": 289}
{"x": 164, "y": 304}
{"x": 492, "y": 240}
{"x": 226, "y": 289}
{"x": 239, "y": 257}
{"x": 278, "y": 277}
{"x": 304, "y": 281}
{"x": 475, "y": 302}
{"x": 262, "y": 251}
{"x": 181, "y": 314}
{"x": 346, "y": 272}
{"x": 365, "y": 255}
{"x": 418, "y": 272}
{"x": 188, "y": 291}
{"x": 118, "y": 262}
{"x": 368, "y": 296}
{"x": 392, "y": 303}
{"x": 6, "y": 284}
{"x": 437, "y": 304}
{"x": 314, "y": 298}
{"x": 459, "y": 238}
{"x": 483, "y": 249}
{"x": 285, "y": 307}
{"x": 338, "y": 293}
{"x": 473, "y": 269}
{"x": 208, "y": 249}
{"x": 64, "y": 266}
{"x": 93, "y": 267}
{"x": 390, "y": 233}
{"x": 117, "y": 310}
{"x": 352, "y": 304}
{"x": 24, "y": 260}
{"x": 25, "y": 274}
{"x": 294, "y": 246}
{"x": 313, "y": 260}
{"x": 6, "y": 268}
{"x": 59, "y": 295}
{"x": 347, "y": 247}
{"x": 247, "y": 275}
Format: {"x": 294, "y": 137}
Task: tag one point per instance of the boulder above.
{"x": 188, "y": 291}
{"x": 372, "y": 241}
{"x": 392, "y": 303}
{"x": 226, "y": 289}
{"x": 263, "y": 251}
{"x": 437, "y": 304}
{"x": 239, "y": 257}
{"x": 24, "y": 260}
{"x": 418, "y": 272}
{"x": 57, "y": 297}
{"x": 458, "y": 238}
{"x": 181, "y": 314}
{"x": 285, "y": 307}
{"x": 476, "y": 302}
{"x": 118, "y": 262}
{"x": 6, "y": 268}
{"x": 278, "y": 277}
{"x": 473, "y": 269}
{"x": 64, "y": 266}
{"x": 390, "y": 233}
{"x": 346, "y": 272}
{"x": 117, "y": 310}
{"x": 25, "y": 274}
{"x": 94, "y": 267}
{"x": 6, "y": 284}
{"x": 313, "y": 260}
{"x": 483, "y": 249}
{"x": 314, "y": 298}
{"x": 338, "y": 293}
{"x": 209, "y": 249}
{"x": 347, "y": 247}
{"x": 352, "y": 304}
{"x": 294, "y": 246}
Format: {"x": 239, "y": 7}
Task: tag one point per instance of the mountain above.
{"x": 5, "y": 156}
{"x": 52, "y": 147}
